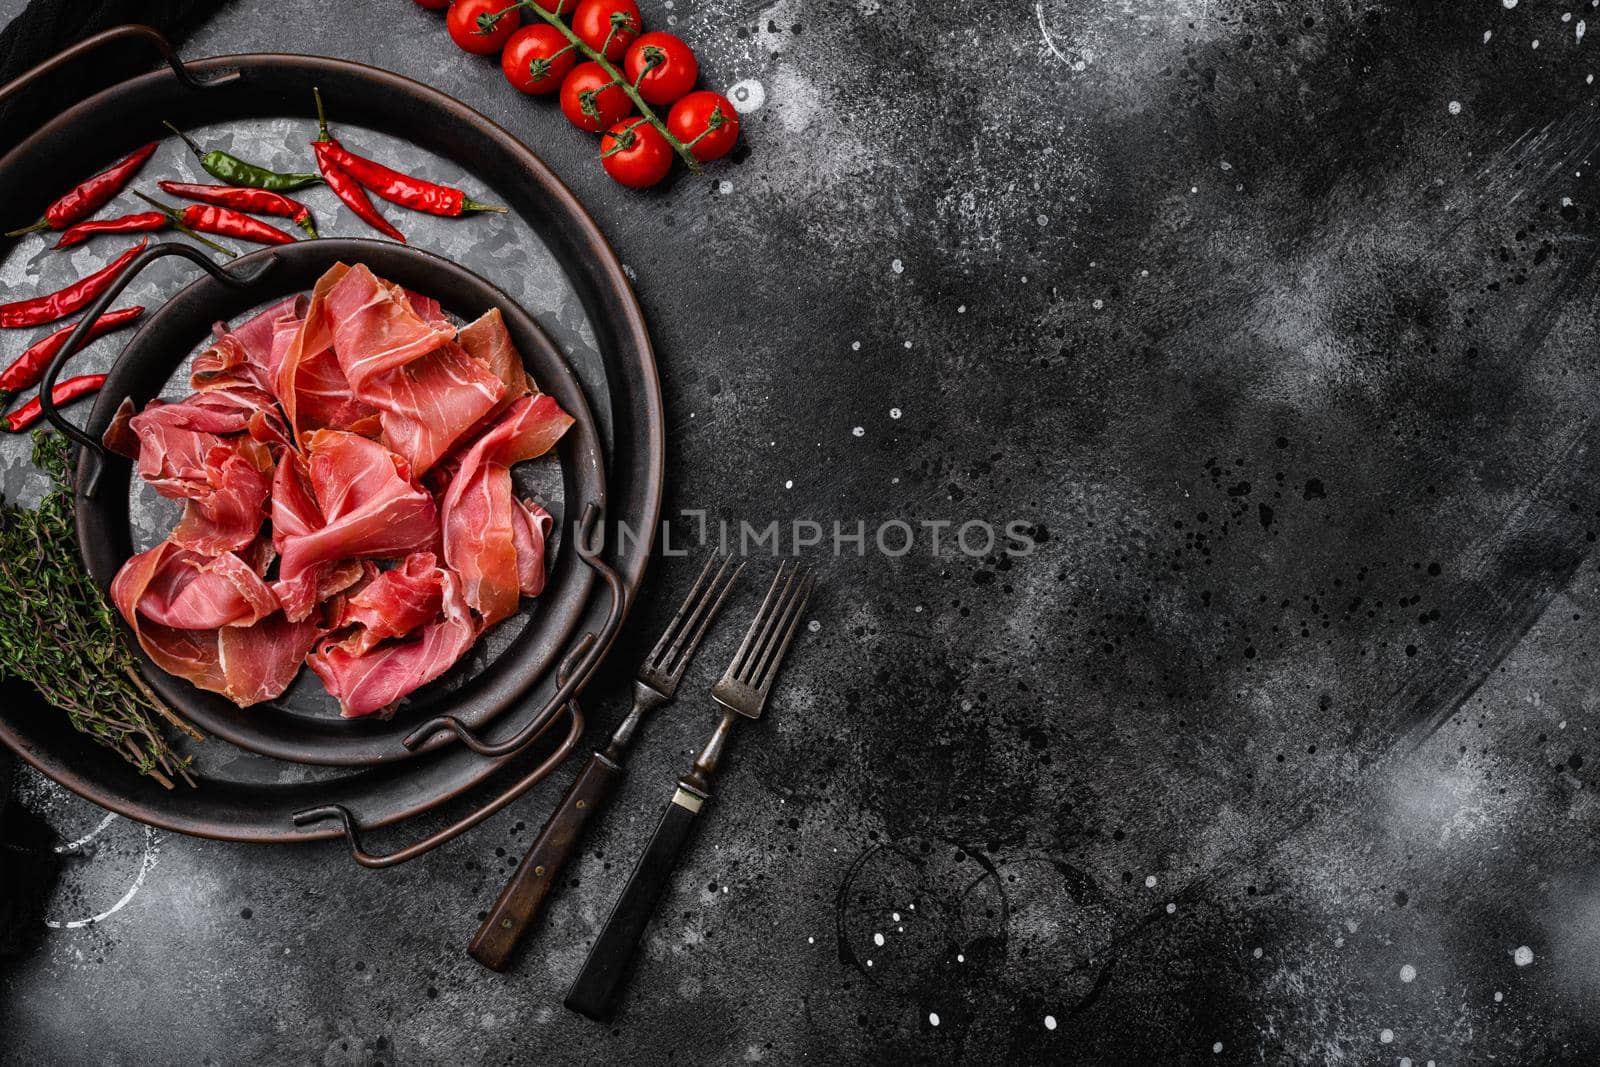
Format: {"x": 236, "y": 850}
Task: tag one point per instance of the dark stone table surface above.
{"x": 1273, "y": 326}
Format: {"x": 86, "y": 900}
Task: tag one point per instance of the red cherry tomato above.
{"x": 635, "y": 154}
{"x": 667, "y": 64}
{"x": 706, "y": 122}
{"x": 434, "y": 5}
{"x": 591, "y": 100}
{"x": 607, "y": 26}
{"x": 536, "y": 59}
{"x": 474, "y": 27}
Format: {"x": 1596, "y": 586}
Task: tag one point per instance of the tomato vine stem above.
{"x": 645, "y": 111}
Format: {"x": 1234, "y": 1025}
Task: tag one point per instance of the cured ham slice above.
{"x": 307, "y": 534}
{"x": 530, "y": 531}
{"x": 225, "y": 509}
{"x": 375, "y": 329}
{"x": 211, "y": 621}
{"x": 354, "y": 499}
{"x": 393, "y": 604}
{"x": 427, "y": 389}
{"x": 481, "y": 517}
{"x": 374, "y": 682}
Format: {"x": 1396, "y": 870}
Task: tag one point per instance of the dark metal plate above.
{"x": 246, "y": 797}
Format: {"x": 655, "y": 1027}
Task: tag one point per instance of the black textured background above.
{"x": 1275, "y": 322}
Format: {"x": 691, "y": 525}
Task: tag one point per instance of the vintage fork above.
{"x": 742, "y": 693}
{"x": 520, "y": 901}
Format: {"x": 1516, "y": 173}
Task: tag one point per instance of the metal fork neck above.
{"x": 706, "y": 765}
{"x": 645, "y": 700}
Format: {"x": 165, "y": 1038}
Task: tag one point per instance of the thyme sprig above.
{"x": 58, "y": 632}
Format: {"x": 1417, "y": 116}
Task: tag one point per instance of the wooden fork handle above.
{"x": 523, "y": 897}
{"x": 599, "y": 985}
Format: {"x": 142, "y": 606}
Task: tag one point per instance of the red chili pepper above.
{"x": 90, "y": 195}
{"x": 402, "y": 189}
{"x": 38, "y": 310}
{"x": 204, "y": 217}
{"x": 26, "y": 370}
{"x": 344, "y": 186}
{"x": 64, "y": 393}
{"x": 257, "y": 201}
{"x": 227, "y": 222}
{"x": 82, "y": 231}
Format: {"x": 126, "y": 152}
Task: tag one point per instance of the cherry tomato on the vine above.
{"x": 434, "y": 5}
{"x": 607, "y": 26}
{"x": 706, "y": 122}
{"x": 536, "y": 59}
{"x": 591, "y": 100}
{"x": 482, "y": 27}
{"x": 635, "y": 154}
{"x": 662, "y": 67}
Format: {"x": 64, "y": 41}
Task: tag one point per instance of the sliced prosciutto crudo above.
{"x": 344, "y": 465}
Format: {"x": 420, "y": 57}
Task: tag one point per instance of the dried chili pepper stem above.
{"x": 621, "y": 82}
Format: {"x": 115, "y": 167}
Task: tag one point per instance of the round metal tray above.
{"x": 587, "y": 296}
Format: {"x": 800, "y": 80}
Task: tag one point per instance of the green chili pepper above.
{"x": 235, "y": 171}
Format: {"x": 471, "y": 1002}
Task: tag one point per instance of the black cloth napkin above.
{"x": 48, "y": 26}
{"x": 28, "y": 863}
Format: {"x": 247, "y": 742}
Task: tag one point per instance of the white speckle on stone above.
{"x": 897, "y": 266}
{"x": 1486, "y": 35}
{"x": 1194, "y": 189}
{"x": 1217, "y": 1047}
{"x": 933, "y": 1018}
{"x": 908, "y": 344}
{"x": 1171, "y": 908}
{"x": 1257, "y": 953}
{"x": 1589, "y": 80}
{"x": 1043, "y": 220}
{"x": 789, "y": 484}
{"x": 1579, "y": 30}
{"x": 1098, "y": 304}
{"x": 747, "y": 95}
{"x": 869, "y": 963}
{"x": 1522, "y": 956}
{"x": 1408, "y": 973}
{"x": 894, "y": 917}
{"x": 1536, "y": 42}
{"x": 962, "y": 310}
{"x": 859, "y": 431}
{"x": 724, "y": 187}
{"x": 895, "y": 413}
{"x": 1049, "y": 1022}
{"x": 814, "y": 625}
{"x": 1149, "y": 881}
{"x": 1405, "y": 1061}
{"x": 877, "y": 939}
{"x": 1499, "y": 996}
{"x": 1509, "y": 4}
{"x": 855, "y": 346}
{"x": 1454, "y": 107}
{"x": 1386, "y": 1036}
{"x": 960, "y": 958}
{"x": 811, "y": 941}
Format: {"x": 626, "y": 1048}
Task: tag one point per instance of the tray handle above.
{"x": 596, "y": 644}
{"x": 132, "y": 31}
{"x": 376, "y": 861}
{"x": 236, "y": 279}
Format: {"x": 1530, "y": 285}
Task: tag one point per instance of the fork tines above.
{"x": 755, "y": 665}
{"x": 664, "y": 665}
